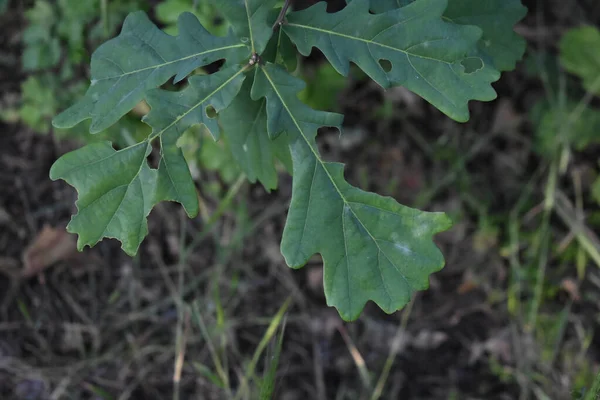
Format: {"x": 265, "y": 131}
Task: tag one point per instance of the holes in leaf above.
{"x": 211, "y": 112}
{"x": 218, "y": 20}
{"x": 386, "y": 65}
{"x": 472, "y": 64}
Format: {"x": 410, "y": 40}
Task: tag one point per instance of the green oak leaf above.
{"x": 249, "y": 19}
{"x": 173, "y": 112}
{"x": 372, "y": 247}
{"x": 175, "y": 181}
{"x": 436, "y": 59}
{"x": 496, "y": 18}
{"x": 281, "y": 50}
{"x": 117, "y": 189}
{"x": 580, "y": 55}
{"x": 143, "y": 57}
{"x": 244, "y": 124}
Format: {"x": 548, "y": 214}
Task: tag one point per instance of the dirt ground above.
{"x": 101, "y": 325}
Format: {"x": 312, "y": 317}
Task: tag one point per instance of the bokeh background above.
{"x": 208, "y": 309}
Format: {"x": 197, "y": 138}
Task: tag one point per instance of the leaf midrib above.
{"x": 156, "y": 66}
{"x": 322, "y": 163}
{"x": 249, "y": 25}
{"x": 94, "y": 162}
{"x": 368, "y": 42}
{"x": 128, "y": 186}
{"x": 204, "y": 100}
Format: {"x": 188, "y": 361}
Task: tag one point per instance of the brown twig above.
{"x": 281, "y": 16}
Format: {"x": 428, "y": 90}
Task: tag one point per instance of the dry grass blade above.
{"x": 389, "y": 362}
{"x": 359, "y": 361}
{"x": 271, "y": 330}
{"x": 197, "y": 317}
{"x": 585, "y": 236}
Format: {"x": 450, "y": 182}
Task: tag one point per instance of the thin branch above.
{"x": 281, "y": 17}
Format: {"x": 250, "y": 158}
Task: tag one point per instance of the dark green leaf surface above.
{"x": 250, "y": 20}
{"x": 117, "y": 189}
{"x": 173, "y": 112}
{"x": 372, "y": 247}
{"x": 496, "y": 18}
{"x": 116, "y": 193}
{"x": 427, "y": 54}
{"x": 245, "y": 125}
{"x": 143, "y": 57}
{"x": 280, "y": 50}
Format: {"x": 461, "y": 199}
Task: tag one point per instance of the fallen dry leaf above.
{"x": 572, "y": 288}
{"x": 50, "y": 246}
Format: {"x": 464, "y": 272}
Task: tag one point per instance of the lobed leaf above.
{"x": 173, "y": 112}
{"x": 372, "y": 247}
{"x": 496, "y": 18}
{"x": 116, "y": 193}
{"x": 143, "y": 57}
{"x": 245, "y": 123}
{"x": 117, "y": 189}
{"x": 433, "y": 58}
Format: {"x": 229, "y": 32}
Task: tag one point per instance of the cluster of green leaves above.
{"x": 373, "y": 249}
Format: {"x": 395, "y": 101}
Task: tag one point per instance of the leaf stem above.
{"x": 281, "y": 16}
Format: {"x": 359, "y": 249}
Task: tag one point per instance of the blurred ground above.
{"x": 100, "y": 325}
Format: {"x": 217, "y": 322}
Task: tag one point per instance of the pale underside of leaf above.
{"x": 372, "y": 247}
{"x": 143, "y": 57}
